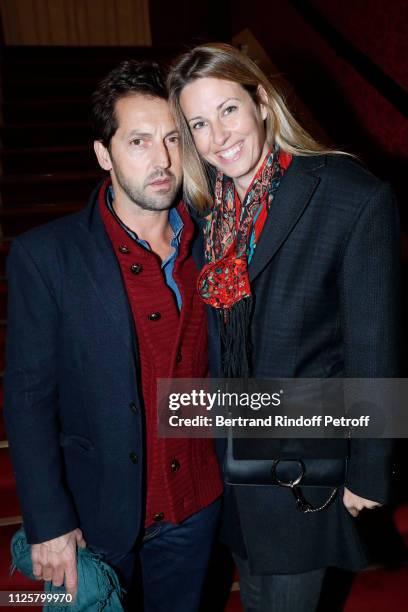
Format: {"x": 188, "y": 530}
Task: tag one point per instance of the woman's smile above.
{"x": 227, "y": 126}
{"x": 232, "y": 153}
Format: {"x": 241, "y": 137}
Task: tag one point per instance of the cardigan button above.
{"x": 124, "y": 249}
{"x": 175, "y": 465}
{"x": 159, "y": 516}
{"x": 136, "y": 268}
{"x": 133, "y": 457}
{"x": 133, "y": 407}
{"x": 178, "y": 355}
{"x": 154, "y": 316}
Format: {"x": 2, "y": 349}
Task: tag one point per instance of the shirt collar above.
{"x": 175, "y": 220}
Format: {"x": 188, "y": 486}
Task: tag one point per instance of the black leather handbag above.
{"x": 289, "y": 473}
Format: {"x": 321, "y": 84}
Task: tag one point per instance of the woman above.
{"x": 301, "y": 272}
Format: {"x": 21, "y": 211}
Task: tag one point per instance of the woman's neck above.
{"x": 243, "y": 183}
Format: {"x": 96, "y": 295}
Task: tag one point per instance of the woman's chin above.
{"x": 234, "y": 169}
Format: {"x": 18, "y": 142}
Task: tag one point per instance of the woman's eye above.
{"x": 229, "y": 110}
{"x": 198, "y": 125}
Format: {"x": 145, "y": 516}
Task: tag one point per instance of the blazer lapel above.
{"x": 104, "y": 273}
{"x": 198, "y": 242}
{"x": 291, "y": 199}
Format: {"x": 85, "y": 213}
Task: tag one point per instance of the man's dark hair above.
{"x": 129, "y": 78}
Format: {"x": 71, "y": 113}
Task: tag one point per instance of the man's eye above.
{"x": 198, "y": 125}
{"x": 137, "y": 142}
{"x": 174, "y": 140}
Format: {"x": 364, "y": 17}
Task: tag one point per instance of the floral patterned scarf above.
{"x": 231, "y": 235}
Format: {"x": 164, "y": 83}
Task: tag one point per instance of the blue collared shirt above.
{"x": 167, "y": 265}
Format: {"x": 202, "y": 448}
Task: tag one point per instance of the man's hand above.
{"x": 55, "y": 560}
{"x": 355, "y": 503}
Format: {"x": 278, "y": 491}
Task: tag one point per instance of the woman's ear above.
{"x": 263, "y": 101}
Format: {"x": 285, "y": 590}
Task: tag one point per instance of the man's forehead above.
{"x": 142, "y": 110}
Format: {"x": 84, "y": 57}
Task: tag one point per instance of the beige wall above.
{"x": 76, "y": 22}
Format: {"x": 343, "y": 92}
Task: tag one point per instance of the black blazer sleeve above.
{"x": 31, "y": 399}
{"x": 369, "y": 307}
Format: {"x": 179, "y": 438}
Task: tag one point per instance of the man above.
{"x": 101, "y": 304}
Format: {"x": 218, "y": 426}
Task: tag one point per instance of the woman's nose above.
{"x": 220, "y": 133}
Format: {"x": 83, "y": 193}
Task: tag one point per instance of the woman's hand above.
{"x": 354, "y": 503}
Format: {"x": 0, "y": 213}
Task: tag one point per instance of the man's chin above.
{"x": 161, "y": 198}
{"x": 160, "y": 202}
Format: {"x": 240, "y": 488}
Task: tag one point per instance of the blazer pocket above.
{"x": 74, "y": 441}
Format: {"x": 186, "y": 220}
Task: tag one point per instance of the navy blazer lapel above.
{"x": 198, "y": 244}
{"x": 104, "y": 273}
{"x": 291, "y": 199}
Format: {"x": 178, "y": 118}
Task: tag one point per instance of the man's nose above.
{"x": 161, "y": 156}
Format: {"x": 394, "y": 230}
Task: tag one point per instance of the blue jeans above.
{"x": 279, "y": 592}
{"x": 165, "y": 571}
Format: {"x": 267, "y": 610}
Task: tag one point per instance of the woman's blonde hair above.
{"x": 222, "y": 61}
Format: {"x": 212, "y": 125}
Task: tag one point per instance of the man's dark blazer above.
{"x": 72, "y": 403}
{"x": 324, "y": 278}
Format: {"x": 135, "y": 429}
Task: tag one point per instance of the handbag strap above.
{"x": 301, "y": 503}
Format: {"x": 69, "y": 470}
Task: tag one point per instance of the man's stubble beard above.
{"x": 140, "y": 198}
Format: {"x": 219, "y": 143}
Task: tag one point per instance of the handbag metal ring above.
{"x": 290, "y": 483}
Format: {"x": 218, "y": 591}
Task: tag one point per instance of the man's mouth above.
{"x": 162, "y": 183}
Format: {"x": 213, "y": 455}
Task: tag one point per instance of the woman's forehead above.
{"x": 210, "y": 92}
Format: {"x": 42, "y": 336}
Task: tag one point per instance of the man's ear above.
{"x": 263, "y": 101}
{"x": 102, "y": 155}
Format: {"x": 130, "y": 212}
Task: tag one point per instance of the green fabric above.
{"x": 98, "y": 585}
